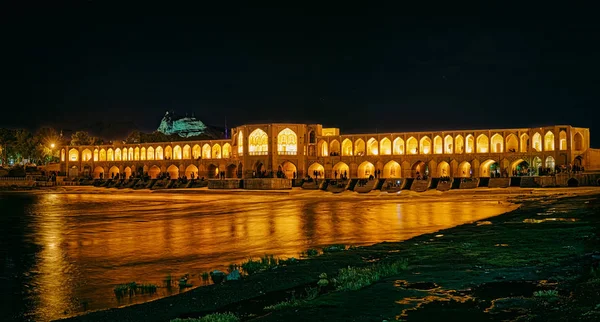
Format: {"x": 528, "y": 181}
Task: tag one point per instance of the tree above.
{"x": 7, "y": 141}
{"x": 26, "y": 146}
{"x": 134, "y": 137}
{"x": 49, "y": 144}
{"x": 81, "y": 138}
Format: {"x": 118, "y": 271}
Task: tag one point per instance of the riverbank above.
{"x": 479, "y": 271}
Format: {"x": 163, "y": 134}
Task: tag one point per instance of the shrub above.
{"x": 546, "y": 294}
{"x": 334, "y": 248}
{"x": 352, "y": 278}
{"x": 215, "y": 317}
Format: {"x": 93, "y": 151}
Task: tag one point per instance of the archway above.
{"x": 216, "y": 151}
{"x": 74, "y": 155}
{"x": 98, "y": 173}
{"x": 443, "y": 169}
{"x": 386, "y": 146}
{"x": 459, "y": 144}
{"x": 524, "y": 142}
{"x": 231, "y": 171}
{"x": 191, "y": 169}
{"x": 258, "y": 143}
{"x": 438, "y": 145}
{"x": 419, "y": 169}
{"x": 470, "y": 144}
{"x": 196, "y": 152}
{"x": 86, "y": 155}
{"x": 519, "y": 167}
{"x": 177, "y": 152}
{"x": 113, "y": 171}
{"x": 143, "y": 154}
{"x": 578, "y": 141}
{"x": 342, "y": 169}
{"x": 512, "y": 143}
{"x": 334, "y": 148}
{"x": 497, "y": 143}
{"x": 550, "y": 164}
{"x": 240, "y": 170}
{"x": 366, "y": 169}
{"x": 483, "y": 144}
{"x": 289, "y": 170}
{"x": 425, "y": 145}
{"x": 318, "y": 168}
{"x": 487, "y": 168}
{"x": 464, "y": 170}
{"x": 186, "y": 152}
{"x": 372, "y": 147}
{"x": 173, "y": 171}
{"x": 287, "y": 142}
{"x": 537, "y": 142}
{"x": 153, "y": 172}
{"x": 127, "y": 172}
{"x": 398, "y": 146}
{"x": 87, "y": 170}
{"x": 206, "y": 151}
{"x": 448, "y": 144}
{"x": 346, "y": 147}
{"x": 359, "y": 147}
{"x": 226, "y": 151}
{"x": 536, "y": 165}
{"x": 159, "y": 153}
{"x": 259, "y": 168}
{"x": 150, "y": 153}
{"x": 323, "y": 149}
{"x": 562, "y": 137}
{"x": 392, "y": 170}
{"x": 118, "y": 154}
{"x": 168, "y": 153}
{"x": 213, "y": 171}
{"x": 549, "y": 141}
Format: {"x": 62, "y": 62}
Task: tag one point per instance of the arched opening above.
{"x": 316, "y": 168}
{"x": 127, "y": 172}
{"x": 191, "y": 169}
{"x": 288, "y": 169}
{"x": 398, "y": 146}
{"x": 168, "y": 153}
{"x": 130, "y": 153}
{"x": 443, "y": 169}
{"x": 150, "y": 153}
{"x": 312, "y": 138}
{"x": 573, "y": 182}
{"x": 372, "y": 147}
{"x": 562, "y": 136}
{"x": 438, "y": 145}
{"x": 102, "y": 155}
{"x": 366, "y": 169}
{"x": 425, "y": 145}
{"x": 448, "y": 144}
{"x": 359, "y": 147}
{"x": 460, "y": 144}
{"x": 537, "y": 142}
{"x": 464, "y": 170}
{"x": 196, "y": 152}
{"x": 206, "y": 151}
{"x": 578, "y": 162}
{"x": 392, "y": 170}
{"x": 136, "y": 154}
{"x": 258, "y": 143}
{"x": 287, "y": 142}
{"x": 62, "y": 155}
{"x": 489, "y": 168}
{"x": 519, "y": 168}
{"x": 74, "y": 155}
{"x": 86, "y": 155}
{"x": 173, "y": 171}
{"x": 113, "y": 171}
{"x": 153, "y": 172}
{"x": 98, "y": 173}
{"x": 512, "y": 143}
{"x": 177, "y": 155}
{"x": 550, "y": 164}
{"x": 483, "y": 144}
{"x": 346, "y": 147}
{"x": 524, "y": 143}
{"x": 334, "y": 148}
{"x": 186, "y": 152}
{"x": 96, "y": 155}
{"x": 240, "y": 143}
{"x": 259, "y": 168}
{"x": 578, "y": 141}
{"x": 226, "y": 153}
{"x": 470, "y": 144}
{"x": 118, "y": 154}
{"x": 216, "y": 151}
{"x": 386, "y": 146}
{"x": 549, "y": 141}
{"x": 323, "y": 148}
{"x": 159, "y": 153}
{"x": 231, "y": 171}
{"x": 341, "y": 169}
{"x": 143, "y": 154}
{"x": 537, "y": 165}
{"x": 497, "y": 143}
{"x": 213, "y": 171}
{"x": 419, "y": 170}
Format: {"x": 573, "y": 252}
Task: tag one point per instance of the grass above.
{"x": 133, "y": 288}
{"x": 352, "y": 278}
{"x": 546, "y": 294}
{"x": 264, "y": 263}
{"x": 311, "y": 294}
{"x": 334, "y": 248}
{"x": 215, "y": 317}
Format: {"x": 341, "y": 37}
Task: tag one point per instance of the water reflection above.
{"x": 72, "y": 249}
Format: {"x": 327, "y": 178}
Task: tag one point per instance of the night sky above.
{"x": 360, "y": 69}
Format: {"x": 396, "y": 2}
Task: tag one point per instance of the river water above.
{"x": 62, "y": 254}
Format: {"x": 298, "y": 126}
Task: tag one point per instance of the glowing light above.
{"x": 52, "y": 145}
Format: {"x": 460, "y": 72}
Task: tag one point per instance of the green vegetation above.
{"x": 215, "y": 317}
{"x": 334, "y": 248}
{"x": 311, "y": 252}
{"x": 311, "y": 294}
{"x": 264, "y": 263}
{"x": 352, "y": 278}
{"x": 205, "y": 276}
{"x": 546, "y": 293}
{"x": 168, "y": 281}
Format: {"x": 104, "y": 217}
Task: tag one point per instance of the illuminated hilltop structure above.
{"x": 306, "y": 149}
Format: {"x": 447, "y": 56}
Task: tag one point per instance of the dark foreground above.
{"x": 537, "y": 263}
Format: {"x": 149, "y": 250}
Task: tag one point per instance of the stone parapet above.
{"x": 225, "y": 184}
{"x": 267, "y": 184}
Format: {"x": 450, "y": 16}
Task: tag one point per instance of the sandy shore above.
{"x": 434, "y": 258}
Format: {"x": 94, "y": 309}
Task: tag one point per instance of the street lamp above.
{"x": 52, "y": 145}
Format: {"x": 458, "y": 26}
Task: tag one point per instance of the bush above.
{"x": 215, "y": 317}
{"x": 352, "y": 278}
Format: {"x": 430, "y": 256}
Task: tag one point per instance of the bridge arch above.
{"x": 392, "y": 169}
{"x": 342, "y": 169}
{"x": 316, "y": 167}
{"x": 385, "y": 146}
{"x": 372, "y": 147}
{"x": 464, "y": 169}
{"x": 443, "y": 169}
{"x": 366, "y": 169}
{"x": 398, "y": 146}
{"x": 173, "y": 171}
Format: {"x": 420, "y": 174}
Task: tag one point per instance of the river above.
{"x": 63, "y": 253}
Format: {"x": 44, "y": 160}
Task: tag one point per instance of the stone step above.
{"x": 499, "y": 183}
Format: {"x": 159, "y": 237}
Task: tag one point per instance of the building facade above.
{"x": 300, "y": 150}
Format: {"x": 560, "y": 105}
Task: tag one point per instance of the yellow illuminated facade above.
{"x": 309, "y": 149}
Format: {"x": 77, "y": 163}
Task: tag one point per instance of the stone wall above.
{"x": 267, "y": 184}
{"x": 225, "y": 184}
{"x": 470, "y": 184}
{"x": 499, "y": 183}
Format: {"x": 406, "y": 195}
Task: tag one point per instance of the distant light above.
{"x": 52, "y": 145}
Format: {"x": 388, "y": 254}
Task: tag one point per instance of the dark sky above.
{"x": 360, "y": 69}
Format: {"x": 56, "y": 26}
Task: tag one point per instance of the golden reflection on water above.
{"x": 90, "y": 243}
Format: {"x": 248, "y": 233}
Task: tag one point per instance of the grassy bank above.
{"x": 535, "y": 263}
